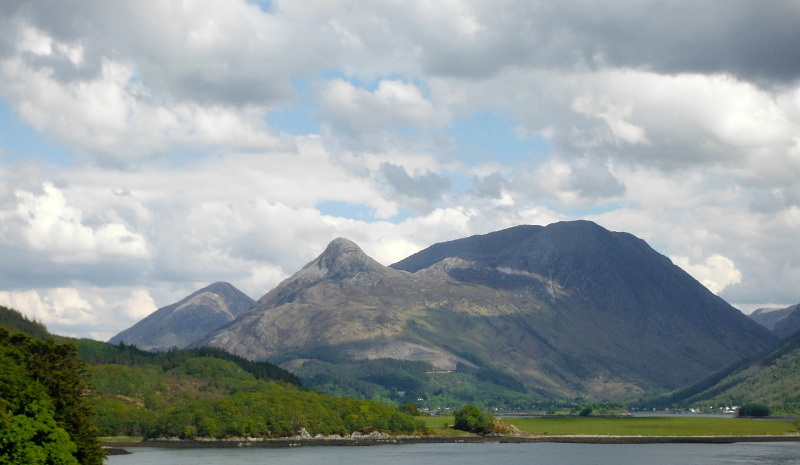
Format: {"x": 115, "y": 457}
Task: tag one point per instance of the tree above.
{"x": 45, "y": 414}
{"x": 470, "y": 418}
{"x": 754, "y": 410}
{"x": 410, "y": 408}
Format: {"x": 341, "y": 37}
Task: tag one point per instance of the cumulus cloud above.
{"x": 139, "y": 304}
{"x": 674, "y": 121}
{"x": 715, "y": 272}
{"x": 47, "y": 222}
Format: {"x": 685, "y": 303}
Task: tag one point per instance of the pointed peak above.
{"x": 343, "y": 251}
{"x": 340, "y": 245}
{"x": 342, "y": 258}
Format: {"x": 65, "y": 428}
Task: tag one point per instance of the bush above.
{"x": 469, "y": 418}
{"x": 754, "y": 410}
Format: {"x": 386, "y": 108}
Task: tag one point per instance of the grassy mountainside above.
{"x": 772, "y": 378}
{"x": 399, "y": 381}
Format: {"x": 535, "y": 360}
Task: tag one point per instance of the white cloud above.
{"x": 61, "y": 306}
{"x": 139, "y": 304}
{"x": 715, "y": 272}
{"x": 115, "y": 119}
{"x": 48, "y": 223}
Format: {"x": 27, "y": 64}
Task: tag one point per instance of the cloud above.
{"x": 673, "y": 121}
{"x": 715, "y": 272}
{"x": 139, "y": 305}
{"x": 47, "y": 222}
{"x": 113, "y": 119}
{"x": 427, "y": 187}
{"x": 59, "y": 306}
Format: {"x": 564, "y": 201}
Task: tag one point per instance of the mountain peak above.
{"x": 341, "y": 246}
{"x": 185, "y": 321}
{"x": 343, "y": 258}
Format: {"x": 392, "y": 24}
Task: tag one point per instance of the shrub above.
{"x": 470, "y": 418}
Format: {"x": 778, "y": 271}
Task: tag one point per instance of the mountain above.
{"x": 569, "y": 309}
{"x": 188, "y": 320}
{"x": 771, "y": 378}
{"x": 784, "y": 322}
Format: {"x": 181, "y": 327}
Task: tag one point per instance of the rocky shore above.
{"x": 374, "y": 439}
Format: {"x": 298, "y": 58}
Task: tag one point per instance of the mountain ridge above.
{"x": 784, "y": 322}
{"x": 569, "y": 308}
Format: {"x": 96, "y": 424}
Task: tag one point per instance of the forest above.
{"x": 59, "y": 395}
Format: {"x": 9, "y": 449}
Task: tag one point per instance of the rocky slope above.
{"x": 567, "y": 309}
{"x": 186, "y": 321}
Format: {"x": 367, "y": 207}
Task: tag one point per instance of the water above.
{"x": 784, "y": 453}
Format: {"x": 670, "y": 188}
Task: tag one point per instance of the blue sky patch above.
{"x": 19, "y": 139}
{"x": 488, "y": 136}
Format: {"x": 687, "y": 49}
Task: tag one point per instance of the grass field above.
{"x": 636, "y": 426}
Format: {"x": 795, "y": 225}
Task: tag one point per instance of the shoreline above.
{"x": 508, "y": 439}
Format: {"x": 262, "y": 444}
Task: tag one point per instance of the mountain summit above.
{"x": 569, "y": 309}
{"x": 187, "y": 320}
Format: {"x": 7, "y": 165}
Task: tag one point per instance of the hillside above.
{"x": 570, "y": 309}
{"x": 772, "y": 378}
{"x": 179, "y": 393}
{"x": 784, "y": 322}
{"x": 188, "y": 320}
{"x": 209, "y": 393}
{"x": 790, "y": 325}
{"x": 16, "y": 322}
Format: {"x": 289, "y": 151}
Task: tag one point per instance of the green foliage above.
{"x": 755, "y": 410}
{"x": 101, "y": 353}
{"x": 44, "y": 416}
{"x": 204, "y": 396}
{"x": 400, "y": 381}
{"x": 410, "y": 408}
{"x": 470, "y": 418}
{"x": 598, "y": 408}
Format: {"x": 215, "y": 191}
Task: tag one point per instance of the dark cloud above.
{"x": 427, "y": 187}
{"x": 750, "y": 39}
{"x": 233, "y": 59}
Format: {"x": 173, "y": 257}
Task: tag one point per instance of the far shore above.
{"x": 386, "y": 440}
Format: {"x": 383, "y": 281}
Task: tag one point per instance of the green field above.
{"x": 653, "y": 426}
{"x": 636, "y": 426}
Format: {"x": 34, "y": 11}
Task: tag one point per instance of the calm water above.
{"x": 476, "y": 454}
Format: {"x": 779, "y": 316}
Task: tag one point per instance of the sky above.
{"x": 150, "y": 148}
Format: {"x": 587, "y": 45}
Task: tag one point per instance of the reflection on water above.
{"x": 476, "y": 454}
